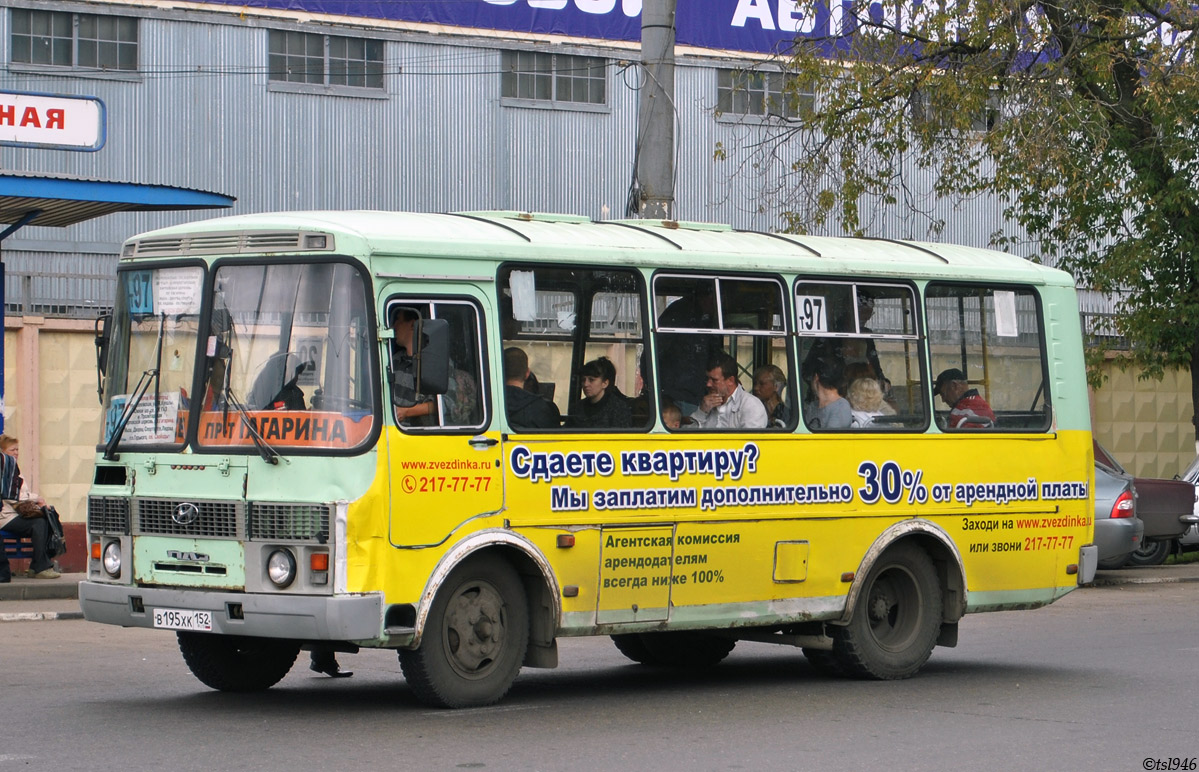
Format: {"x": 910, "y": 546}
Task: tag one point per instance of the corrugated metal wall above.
{"x": 202, "y": 114}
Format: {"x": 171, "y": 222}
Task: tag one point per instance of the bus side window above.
{"x": 987, "y": 358}
{"x": 456, "y": 401}
{"x": 580, "y": 329}
{"x": 733, "y": 324}
{"x": 860, "y": 343}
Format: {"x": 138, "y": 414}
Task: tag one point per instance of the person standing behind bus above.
{"x": 967, "y": 408}
{"x": 525, "y": 409}
{"x": 727, "y": 405}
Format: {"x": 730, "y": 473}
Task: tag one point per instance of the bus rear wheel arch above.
{"x": 897, "y": 618}
{"x": 475, "y": 637}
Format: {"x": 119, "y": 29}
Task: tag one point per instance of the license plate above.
{"x": 178, "y": 619}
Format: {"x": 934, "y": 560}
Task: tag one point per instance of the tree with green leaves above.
{"x": 1080, "y": 117}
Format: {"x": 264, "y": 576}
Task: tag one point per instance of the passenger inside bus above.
{"x": 681, "y": 356}
{"x": 967, "y": 408}
{"x": 602, "y": 406}
{"x": 865, "y": 395}
{"x": 828, "y": 409}
{"x": 727, "y": 405}
{"x": 526, "y": 411}
{"x": 420, "y": 410}
{"x": 769, "y": 383}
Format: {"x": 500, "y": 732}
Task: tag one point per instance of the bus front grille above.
{"x": 170, "y": 517}
{"x": 108, "y": 514}
{"x": 285, "y": 521}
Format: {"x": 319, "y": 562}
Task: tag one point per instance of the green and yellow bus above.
{"x": 465, "y": 436}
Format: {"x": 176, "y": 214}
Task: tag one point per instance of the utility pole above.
{"x": 656, "y": 114}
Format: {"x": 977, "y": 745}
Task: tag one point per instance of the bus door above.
{"x": 444, "y": 457}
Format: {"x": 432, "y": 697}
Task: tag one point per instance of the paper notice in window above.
{"x": 1005, "y": 314}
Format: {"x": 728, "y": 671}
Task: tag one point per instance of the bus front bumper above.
{"x": 296, "y": 617}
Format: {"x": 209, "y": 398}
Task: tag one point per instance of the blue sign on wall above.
{"x": 764, "y": 26}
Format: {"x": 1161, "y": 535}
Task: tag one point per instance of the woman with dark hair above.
{"x": 602, "y": 406}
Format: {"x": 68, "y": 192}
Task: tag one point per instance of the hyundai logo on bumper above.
{"x": 186, "y": 513}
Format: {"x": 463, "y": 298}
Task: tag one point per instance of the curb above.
{"x": 40, "y": 616}
{"x": 1116, "y": 581}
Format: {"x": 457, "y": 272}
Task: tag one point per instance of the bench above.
{"x": 15, "y": 547}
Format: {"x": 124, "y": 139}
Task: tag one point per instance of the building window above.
{"x": 82, "y": 40}
{"x": 943, "y": 112}
{"x": 555, "y": 77}
{"x": 325, "y": 60}
{"x": 747, "y": 92}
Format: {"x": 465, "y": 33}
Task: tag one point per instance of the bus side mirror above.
{"x": 428, "y": 371}
{"x": 102, "y": 340}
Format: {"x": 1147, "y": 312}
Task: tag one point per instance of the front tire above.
{"x": 1152, "y": 553}
{"x": 896, "y": 620}
{"x": 475, "y": 637}
{"x": 234, "y": 663}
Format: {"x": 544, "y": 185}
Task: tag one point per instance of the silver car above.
{"x": 1189, "y": 542}
{"x": 1118, "y": 530}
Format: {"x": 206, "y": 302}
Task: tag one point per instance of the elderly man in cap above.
{"x": 967, "y": 408}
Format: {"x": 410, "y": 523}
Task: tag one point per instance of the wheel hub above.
{"x": 474, "y": 634}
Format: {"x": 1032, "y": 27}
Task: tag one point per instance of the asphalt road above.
{"x": 1102, "y": 680}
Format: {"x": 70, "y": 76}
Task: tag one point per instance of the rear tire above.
{"x": 475, "y": 637}
{"x": 233, "y": 663}
{"x": 897, "y": 618}
{"x": 631, "y": 645}
{"x": 1152, "y": 553}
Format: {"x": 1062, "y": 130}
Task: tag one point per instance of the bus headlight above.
{"x": 281, "y": 568}
{"x": 112, "y": 558}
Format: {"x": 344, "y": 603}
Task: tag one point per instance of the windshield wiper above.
{"x": 269, "y": 454}
{"x": 138, "y": 392}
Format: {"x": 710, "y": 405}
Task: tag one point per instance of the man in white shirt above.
{"x": 727, "y": 405}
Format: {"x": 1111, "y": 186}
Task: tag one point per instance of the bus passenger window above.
{"x": 988, "y": 358}
{"x": 861, "y": 357}
{"x": 580, "y": 330}
{"x": 722, "y": 354}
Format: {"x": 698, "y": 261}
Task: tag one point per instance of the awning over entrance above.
{"x": 60, "y": 200}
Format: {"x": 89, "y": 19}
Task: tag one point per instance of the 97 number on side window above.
{"x": 810, "y": 310}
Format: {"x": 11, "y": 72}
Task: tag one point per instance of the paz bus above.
{"x": 316, "y": 437}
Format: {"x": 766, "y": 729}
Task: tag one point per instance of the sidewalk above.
{"x": 34, "y": 600}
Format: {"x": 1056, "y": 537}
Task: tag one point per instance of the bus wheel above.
{"x": 896, "y": 620}
{"x": 233, "y": 663}
{"x": 687, "y": 649}
{"x": 824, "y": 662}
{"x": 475, "y": 637}
{"x": 632, "y": 646}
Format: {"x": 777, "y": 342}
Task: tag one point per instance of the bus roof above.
{"x": 502, "y": 235}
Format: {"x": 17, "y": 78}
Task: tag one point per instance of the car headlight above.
{"x": 281, "y": 568}
{"x": 112, "y": 558}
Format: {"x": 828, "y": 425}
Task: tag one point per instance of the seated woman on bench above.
{"x": 13, "y": 524}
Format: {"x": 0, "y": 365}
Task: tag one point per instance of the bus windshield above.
{"x": 288, "y": 356}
